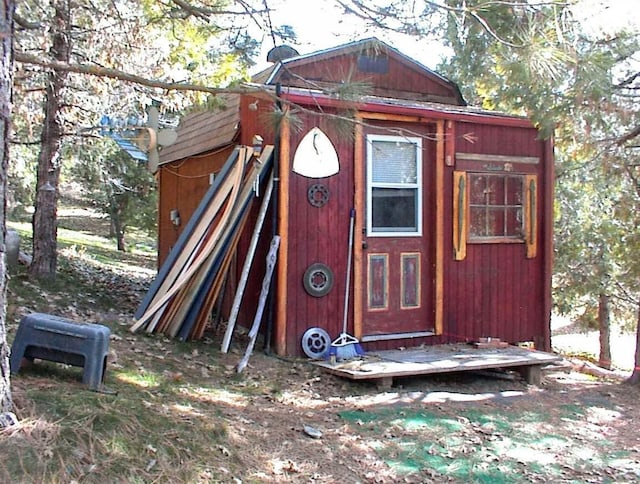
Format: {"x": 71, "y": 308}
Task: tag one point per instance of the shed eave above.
{"x": 414, "y": 108}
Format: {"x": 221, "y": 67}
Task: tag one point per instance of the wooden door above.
{"x": 397, "y": 226}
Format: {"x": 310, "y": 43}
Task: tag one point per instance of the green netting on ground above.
{"x": 491, "y": 445}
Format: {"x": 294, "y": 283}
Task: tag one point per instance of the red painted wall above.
{"x": 495, "y": 291}
{"x": 400, "y": 79}
{"x": 182, "y": 185}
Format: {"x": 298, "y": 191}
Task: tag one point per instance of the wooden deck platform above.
{"x": 382, "y": 367}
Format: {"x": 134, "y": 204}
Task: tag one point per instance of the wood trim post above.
{"x": 439, "y": 262}
{"x": 283, "y": 231}
{"x": 358, "y": 203}
{"x": 450, "y": 143}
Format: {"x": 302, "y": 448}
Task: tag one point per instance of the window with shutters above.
{"x": 496, "y": 202}
{"x": 394, "y": 185}
{"x": 494, "y": 208}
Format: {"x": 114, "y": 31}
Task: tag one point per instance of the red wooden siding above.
{"x": 495, "y": 290}
{"x": 399, "y": 81}
{"x": 497, "y": 140}
{"x": 182, "y": 185}
{"x": 318, "y": 234}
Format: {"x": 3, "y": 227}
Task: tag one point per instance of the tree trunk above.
{"x": 45, "y": 217}
{"x": 635, "y": 376}
{"x": 116, "y": 216}
{"x": 604, "y": 321}
{"x": 6, "y": 82}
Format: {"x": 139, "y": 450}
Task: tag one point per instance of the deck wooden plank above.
{"x": 437, "y": 359}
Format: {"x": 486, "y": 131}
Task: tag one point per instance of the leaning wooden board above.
{"x": 178, "y": 308}
{"x": 203, "y": 302}
{"x": 178, "y": 253}
{"x": 203, "y": 252}
{"x": 177, "y": 276}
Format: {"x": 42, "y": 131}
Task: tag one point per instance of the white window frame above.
{"x": 371, "y": 138}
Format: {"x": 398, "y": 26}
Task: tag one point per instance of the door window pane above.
{"x": 394, "y": 192}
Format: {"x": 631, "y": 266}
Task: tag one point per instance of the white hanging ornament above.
{"x": 316, "y": 156}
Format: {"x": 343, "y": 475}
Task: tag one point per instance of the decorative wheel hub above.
{"x": 318, "y": 195}
{"x": 318, "y": 279}
{"x": 316, "y": 343}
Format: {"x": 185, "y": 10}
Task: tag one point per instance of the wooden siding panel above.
{"x": 318, "y": 234}
{"x": 182, "y": 185}
{"x": 497, "y": 140}
{"x": 402, "y": 80}
{"x": 495, "y": 290}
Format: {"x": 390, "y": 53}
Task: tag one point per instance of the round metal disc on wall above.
{"x": 318, "y": 195}
{"x": 318, "y": 279}
{"x": 316, "y": 343}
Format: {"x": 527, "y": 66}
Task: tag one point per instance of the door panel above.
{"x": 397, "y": 263}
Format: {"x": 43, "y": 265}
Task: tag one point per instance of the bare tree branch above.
{"x": 626, "y": 83}
{"x": 372, "y": 14}
{"x": 205, "y": 13}
{"x": 629, "y": 136}
{"x": 26, "y": 24}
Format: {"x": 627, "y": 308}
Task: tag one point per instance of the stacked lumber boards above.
{"x": 181, "y": 298}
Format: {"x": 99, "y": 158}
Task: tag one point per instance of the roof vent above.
{"x": 280, "y": 53}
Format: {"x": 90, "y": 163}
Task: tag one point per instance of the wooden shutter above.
{"x": 460, "y": 223}
{"x": 531, "y": 215}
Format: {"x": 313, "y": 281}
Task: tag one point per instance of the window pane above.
{"x": 514, "y": 190}
{"x": 477, "y": 222}
{"x": 394, "y": 162}
{"x": 394, "y": 209}
{"x": 478, "y": 189}
{"x": 495, "y": 205}
{"x": 495, "y": 190}
{"x": 495, "y": 222}
{"x": 514, "y": 225}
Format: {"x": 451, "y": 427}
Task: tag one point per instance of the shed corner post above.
{"x": 358, "y": 180}
{"x": 283, "y": 229}
{"x": 439, "y": 269}
{"x": 547, "y": 250}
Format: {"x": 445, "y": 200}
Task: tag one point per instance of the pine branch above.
{"x": 93, "y": 70}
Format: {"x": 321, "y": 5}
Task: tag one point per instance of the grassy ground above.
{"x": 178, "y": 412}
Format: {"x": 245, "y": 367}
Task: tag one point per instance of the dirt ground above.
{"x": 299, "y": 424}
{"x": 286, "y": 420}
{"x": 463, "y": 428}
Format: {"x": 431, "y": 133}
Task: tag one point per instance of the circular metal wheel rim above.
{"x": 316, "y": 343}
{"x": 314, "y": 271}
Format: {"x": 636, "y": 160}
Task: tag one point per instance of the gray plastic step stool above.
{"x": 52, "y": 338}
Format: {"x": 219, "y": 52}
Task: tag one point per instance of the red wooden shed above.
{"x": 452, "y": 204}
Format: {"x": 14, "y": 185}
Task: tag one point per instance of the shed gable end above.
{"x": 381, "y": 69}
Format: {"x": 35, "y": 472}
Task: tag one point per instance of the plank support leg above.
{"x": 532, "y": 374}
{"x": 384, "y": 383}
